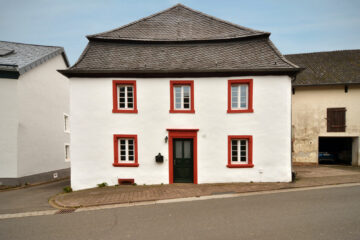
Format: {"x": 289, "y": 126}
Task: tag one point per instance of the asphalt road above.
{"x": 332, "y": 213}
{"x": 31, "y": 198}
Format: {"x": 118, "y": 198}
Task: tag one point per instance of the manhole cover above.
{"x": 67, "y": 210}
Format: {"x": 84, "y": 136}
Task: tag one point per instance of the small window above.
{"x": 125, "y": 151}
{"x": 182, "y": 97}
{"x": 124, "y": 96}
{"x": 240, "y": 152}
{"x": 66, "y": 123}
{"x": 67, "y": 153}
{"x": 240, "y": 96}
{"x": 336, "y": 119}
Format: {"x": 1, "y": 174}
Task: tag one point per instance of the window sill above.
{"x": 125, "y": 164}
{"x": 181, "y": 111}
{"x": 124, "y": 111}
{"x": 240, "y": 165}
{"x": 240, "y": 111}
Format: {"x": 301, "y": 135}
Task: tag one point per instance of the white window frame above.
{"x": 182, "y": 97}
{"x": 66, "y": 123}
{"x": 67, "y": 152}
{"x": 127, "y": 155}
{"x": 238, "y": 85}
{"x": 118, "y": 86}
{"x": 238, "y": 157}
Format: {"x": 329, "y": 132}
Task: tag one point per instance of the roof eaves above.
{"x": 174, "y": 73}
{"x": 41, "y": 60}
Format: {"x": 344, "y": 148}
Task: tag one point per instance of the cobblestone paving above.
{"x": 307, "y": 176}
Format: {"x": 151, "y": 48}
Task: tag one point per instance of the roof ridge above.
{"x": 38, "y": 45}
{"x": 331, "y": 51}
{"x": 187, "y": 8}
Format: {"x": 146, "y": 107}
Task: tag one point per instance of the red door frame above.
{"x": 182, "y": 133}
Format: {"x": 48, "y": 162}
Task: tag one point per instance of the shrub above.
{"x": 67, "y": 189}
{"x": 104, "y": 184}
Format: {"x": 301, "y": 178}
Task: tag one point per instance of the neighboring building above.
{"x": 180, "y": 96}
{"x": 34, "y": 102}
{"x": 326, "y": 108}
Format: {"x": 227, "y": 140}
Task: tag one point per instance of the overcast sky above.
{"x": 296, "y": 26}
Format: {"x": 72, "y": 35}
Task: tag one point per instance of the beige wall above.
{"x": 309, "y": 108}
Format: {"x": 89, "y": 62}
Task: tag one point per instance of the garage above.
{"x": 335, "y": 150}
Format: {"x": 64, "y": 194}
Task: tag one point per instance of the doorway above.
{"x": 335, "y": 150}
{"x": 183, "y": 155}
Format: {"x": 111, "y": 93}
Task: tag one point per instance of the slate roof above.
{"x": 327, "y": 68}
{"x": 180, "y": 41}
{"x": 18, "y": 58}
{"x": 178, "y": 23}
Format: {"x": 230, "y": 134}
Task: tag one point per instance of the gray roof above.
{"x": 19, "y": 58}
{"x": 327, "y": 68}
{"x": 178, "y": 23}
{"x": 180, "y": 41}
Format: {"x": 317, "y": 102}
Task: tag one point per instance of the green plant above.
{"x": 134, "y": 184}
{"x": 67, "y": 189}
{"x": 104, "y": 184}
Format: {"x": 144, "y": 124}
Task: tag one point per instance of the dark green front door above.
{"x": 183, "y": 161}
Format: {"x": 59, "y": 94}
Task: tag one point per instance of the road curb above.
{"x": 174, "y": 200}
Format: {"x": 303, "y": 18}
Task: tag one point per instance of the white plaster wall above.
{"x": 43, "y": 98}
{"x": 309, "y": 110}
{"x": 93, "y": 126}
{"x": 8, "y": 128}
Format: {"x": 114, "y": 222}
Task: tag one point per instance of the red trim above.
{"x": 115, "y": 100}
{"x": 125, "y": 181}
{"x": 250, "y": 103}
{"x": 116, "y": 151}
{"x": 191, "y": 84}
{"x": 182, "y": 133}
{"x": 250, "y": 152}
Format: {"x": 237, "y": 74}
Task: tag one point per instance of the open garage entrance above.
{"x": 335, "y": 150}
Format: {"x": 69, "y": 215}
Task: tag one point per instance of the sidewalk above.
{"x": 307, "y": 176}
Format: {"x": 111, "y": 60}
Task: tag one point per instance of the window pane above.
{"x": 131, "y": 141}
{"x": 187, "y": 149}
{"x": 131, "y": 158}
{"x": 243, "y": 159}
{"x": 186, "y": 91}
{"x": 129, "y": 89}
{"x": 122, "y": 89}
{"x": 178, "y": 149}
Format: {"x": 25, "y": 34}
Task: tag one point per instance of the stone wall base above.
{"x": 36, "y": 178}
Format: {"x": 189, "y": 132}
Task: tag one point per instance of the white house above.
{"x": 34, "y": 105}
{"x": 180, "y": 96}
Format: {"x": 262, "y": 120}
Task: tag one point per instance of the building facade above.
{"x": 326, "y": 109}
{"x": 34, "y": 103}
{"x": 179, "y": 97}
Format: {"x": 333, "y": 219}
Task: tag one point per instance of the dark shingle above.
{"x": 326, "y": 68}
{"x": 22, "y": 57}
{"x": 196, "y": 43}
{"x": 178, "y": 23}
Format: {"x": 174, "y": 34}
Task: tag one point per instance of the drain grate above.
{"x": 221, "y": 193}
{"x": 66, "y": 210}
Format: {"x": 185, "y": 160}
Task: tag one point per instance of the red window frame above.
{"x": 250, "y": 151}
{"x": 182, "y": 83}
{"x": 249, "y": 82}
{"x": 115, "y": 83}
{"x": 116, "y": 151}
